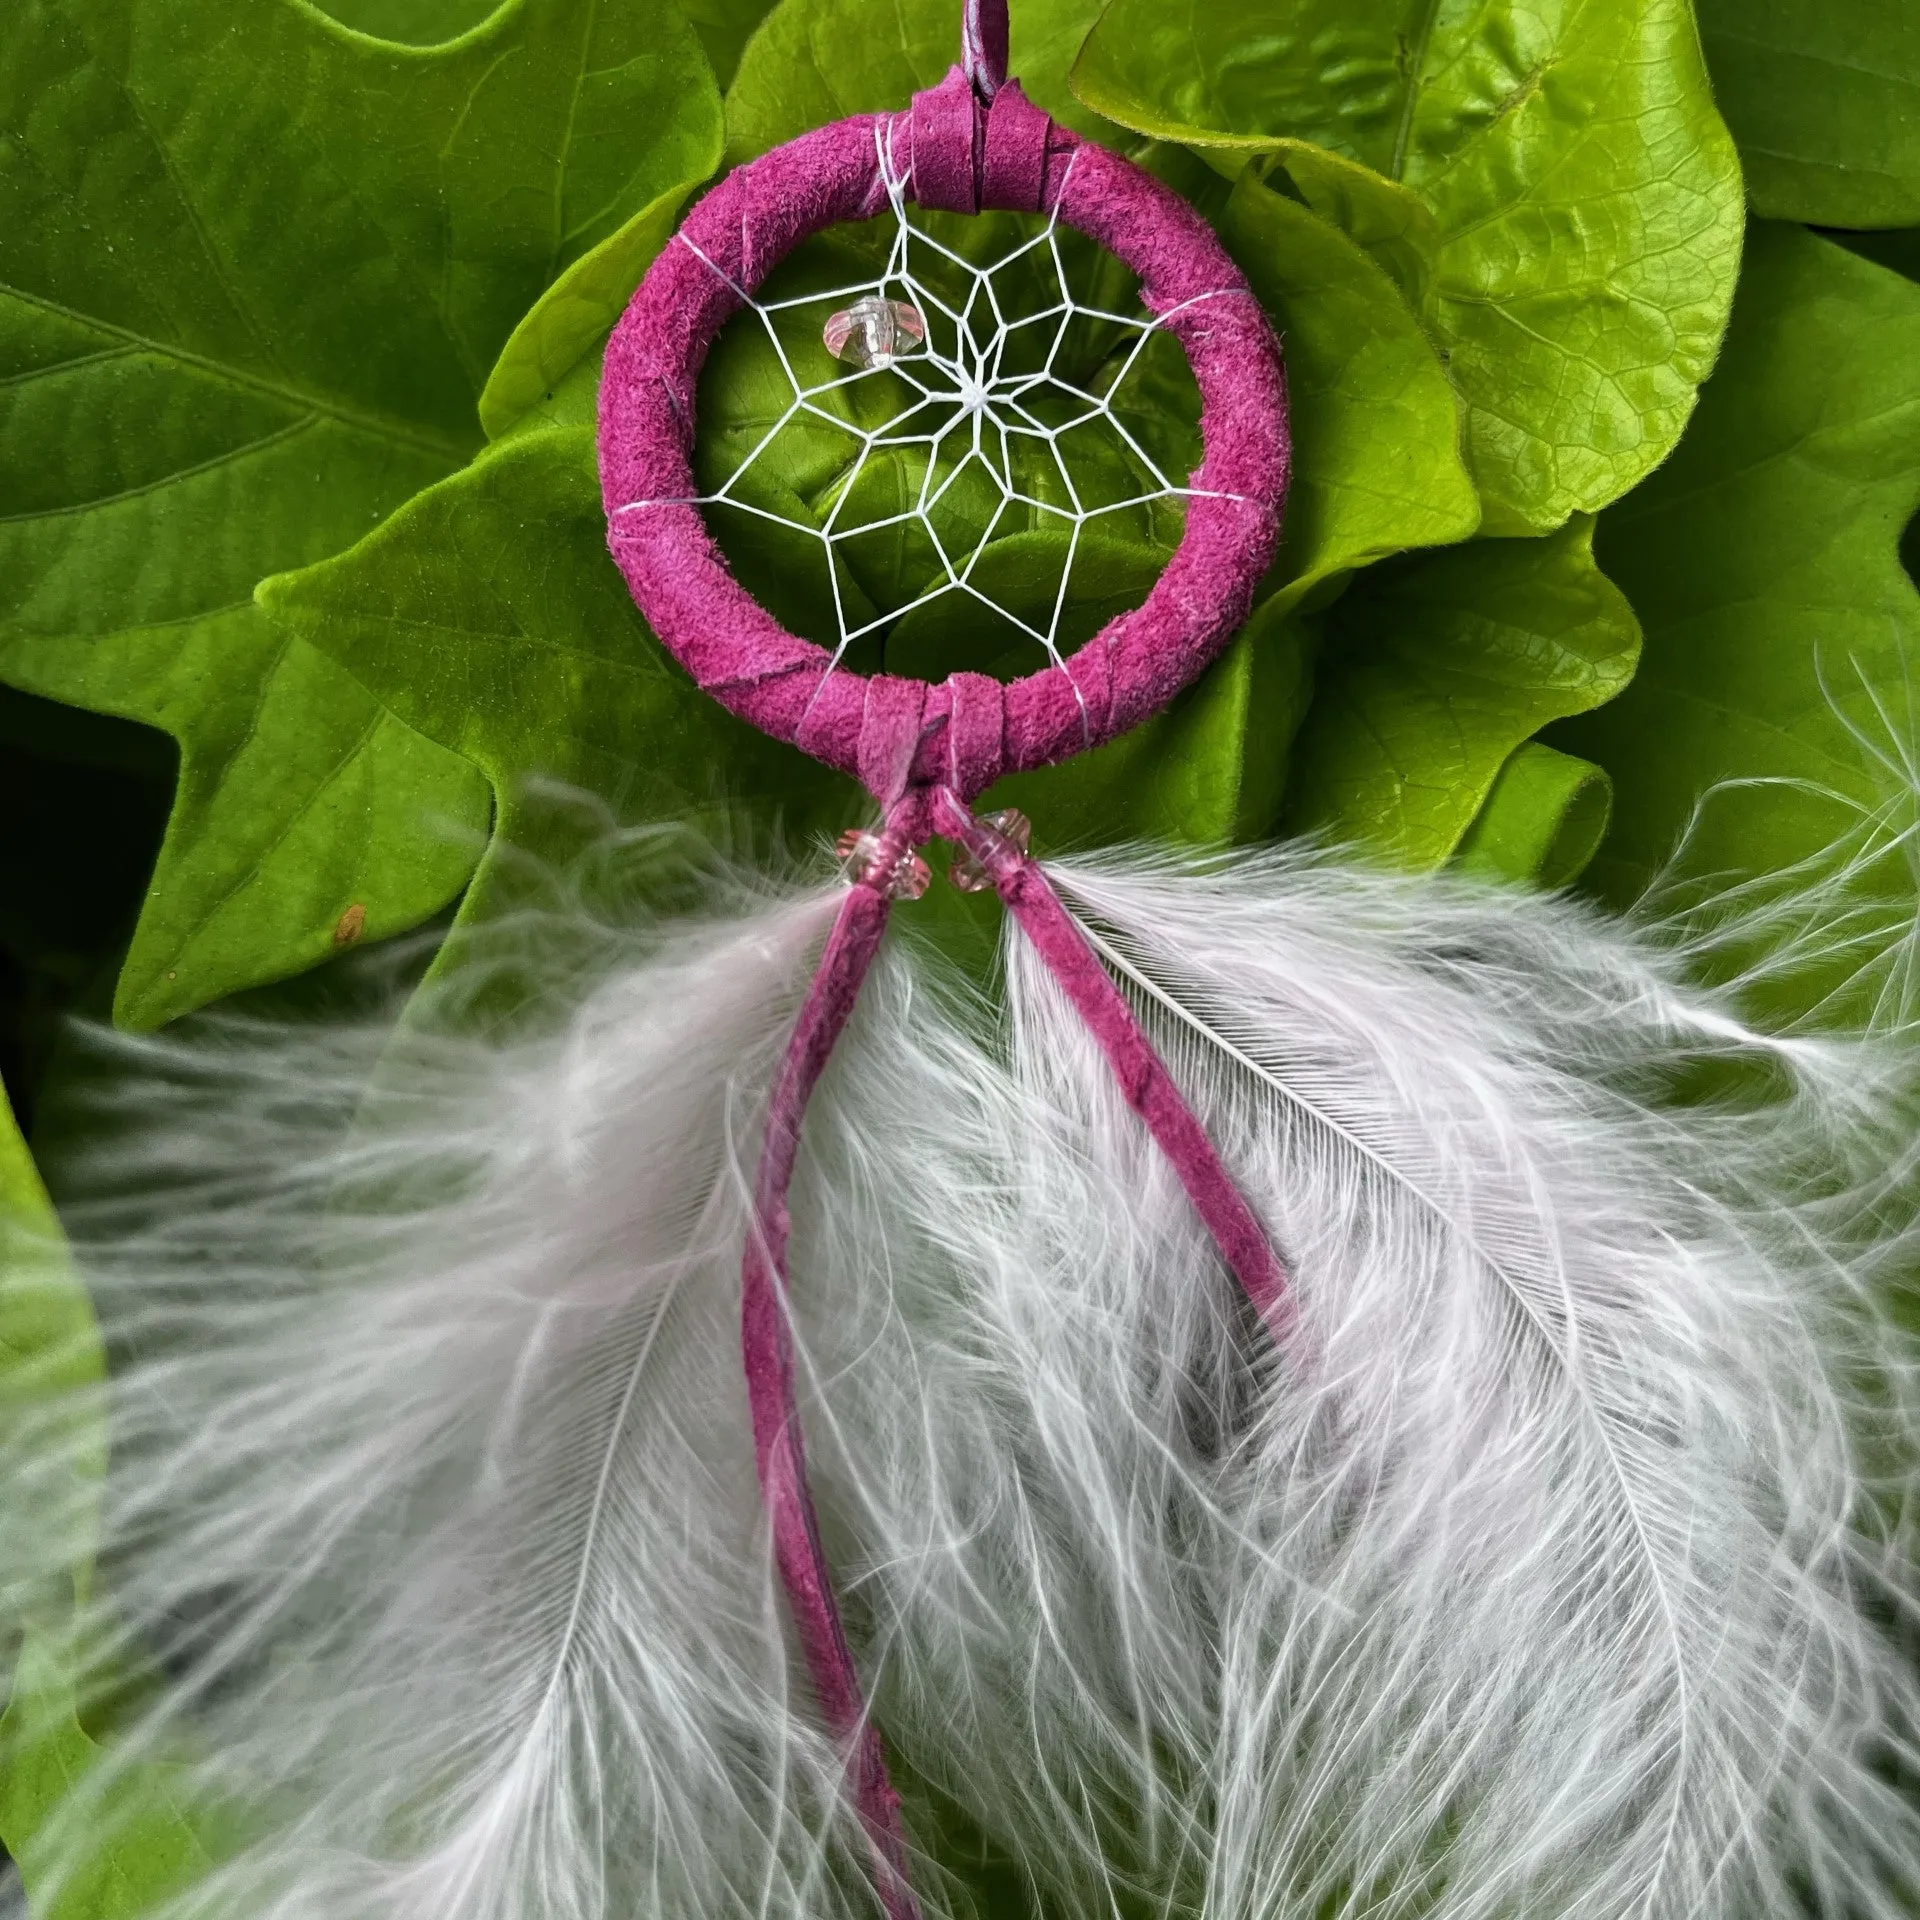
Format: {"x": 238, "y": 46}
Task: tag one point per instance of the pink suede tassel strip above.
{"x": 767, "y": 1350}
{"x": 766, "y": 1338}
{"x": 1144, "y": 1080}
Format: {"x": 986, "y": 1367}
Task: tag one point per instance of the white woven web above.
{"x": 985, "y": 427}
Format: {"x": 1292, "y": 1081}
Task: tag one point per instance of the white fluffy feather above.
{"x": 1550, "y": 1569}
{"x": 1543, "y": 1581}
{"x": 433, "y": 1491}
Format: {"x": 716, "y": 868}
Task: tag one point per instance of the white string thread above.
{"x": 986, "y": 398}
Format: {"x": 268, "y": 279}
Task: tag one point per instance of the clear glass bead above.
{"x": 874, "y": 332}
{"x": 898, "y": 873}
{"x": 1008, "y": 824}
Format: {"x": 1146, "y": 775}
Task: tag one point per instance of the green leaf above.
{"x": 138, "y": 1846}
{"x": 1550, "y": 183}
{"x": 818, "y": 60}
{"x": 1543, "y": 822}
{"x": 1394, "y": 224}
{"x": 1376, "y": 431}
{"x": 1824, "y": 98}
{"x": 574, "y": 316}
{"x": 1435, "y": 669}
{"x": 413, "y": 23}
{"x": 50, "y": 1355}
{"x": 724, "y": 27}
{"x": 1898, "y": 248}
{"x": 486, "y": 615}
{"x": 125, "y": 1836}
{"x": 1782, "y": 632}
{"x": 299, "y": 800}
{"x": 253, "y": 270}
{"x": 1208, "y": 771}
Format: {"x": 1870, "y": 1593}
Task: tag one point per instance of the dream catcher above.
{"x": 1329, "y": 1393}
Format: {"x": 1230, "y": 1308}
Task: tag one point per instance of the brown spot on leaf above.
{"x": 349, "y": 927}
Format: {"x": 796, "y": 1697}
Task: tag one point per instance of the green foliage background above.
{"x": 1605, "y": 457}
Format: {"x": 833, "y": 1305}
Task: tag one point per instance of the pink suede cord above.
{"x": 766, "y": 1343}
{"x": 957, "y": 150}
{"x": 1145, "y": 1083}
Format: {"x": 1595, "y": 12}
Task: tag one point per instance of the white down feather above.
{"x": 1547, "y": 1571}
{"x": 1553, "y": 1567}
{"x": 432, "y": 1493}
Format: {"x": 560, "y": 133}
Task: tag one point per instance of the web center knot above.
{"x": 972, "y": 394}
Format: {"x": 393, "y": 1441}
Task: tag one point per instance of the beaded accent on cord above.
{"x": 883, "y": 861}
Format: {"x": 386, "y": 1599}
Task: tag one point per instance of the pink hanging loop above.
{"x": 983, "y": 45}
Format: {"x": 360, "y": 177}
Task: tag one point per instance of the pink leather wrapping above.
{"x": 956, "y": 151}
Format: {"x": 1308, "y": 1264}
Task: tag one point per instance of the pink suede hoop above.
{"x": 955, "y": 148}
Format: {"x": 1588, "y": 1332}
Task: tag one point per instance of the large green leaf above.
{"x": 1551, "y": 183}
{"x": 1209, "y": 770}
{"x": 486, "y": 614}
{"x": 412, "y": 23}
{"x": 50, "y": 1355}
{"x": 1376, "y": 431}
{"x": 1782, "y": 633}
{"x": 141, "y": 1843}
{"x": 1824, "y": 98}
{"x": 1435, "y": 669}
{"x": 1543, "y": 820}
{"x": 570, "y": 321}
{"x": 253, "y": 270}
{"x": 1898, "y": 248}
